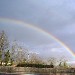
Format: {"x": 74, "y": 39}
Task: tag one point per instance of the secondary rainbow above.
{"x": 8, "y": 20}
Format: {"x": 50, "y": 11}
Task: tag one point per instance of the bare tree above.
{"x": 18, "y": 53}
{"x": 52, "y": 61}
{"x": 35, "y": 59}
{"x": 13, "y": 53}
{"x": 63, "y": 62}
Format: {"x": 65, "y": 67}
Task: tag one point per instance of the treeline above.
{"x": 14, "y": 54}
{"x": 9, "y": 55}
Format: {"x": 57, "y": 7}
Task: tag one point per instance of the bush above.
{"x": 34, "y": 65}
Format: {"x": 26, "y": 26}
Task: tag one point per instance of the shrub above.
{"x": 34, "y": 65}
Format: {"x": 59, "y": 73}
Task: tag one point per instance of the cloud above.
{"x": 57, "y": 50}
{"x": 71, "y": 62}
{"x": 34, "y": 52}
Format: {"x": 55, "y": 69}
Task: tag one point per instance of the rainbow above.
{"x": 39, "y": 30}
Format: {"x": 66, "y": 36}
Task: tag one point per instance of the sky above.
{"x": 54, "y": 16}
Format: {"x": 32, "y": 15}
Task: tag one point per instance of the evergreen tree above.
{"x": 7, "y": 57}
{"x": 60, "y": 64}
{"x": 3, "y": 45}
{"x": 0, "y": 56}
{"x": 65, "y": 65}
